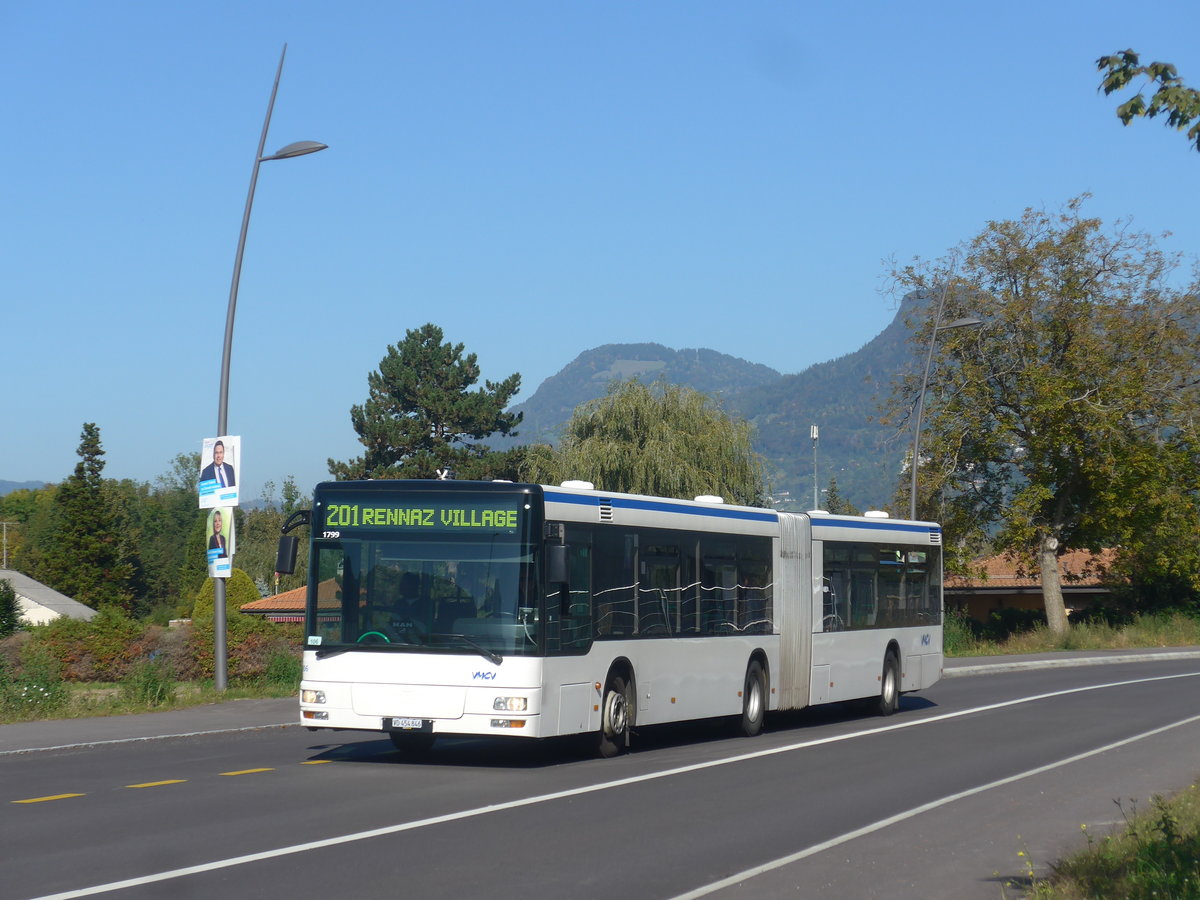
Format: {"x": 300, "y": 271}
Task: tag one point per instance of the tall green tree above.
{"x": 10, "y": 615}
{"x": 1171, "y": 98}
{"x": 83, "y": 549}
{"x": 662, "y": 439}
{"x": 1049, "y": 426}
{"x": 422, "y": 415}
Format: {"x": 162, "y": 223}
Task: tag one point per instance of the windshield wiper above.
{"x": 490, "y": 656}
{"x": 346, "y": 648}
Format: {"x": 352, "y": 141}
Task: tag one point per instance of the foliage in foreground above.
{"x": 1157, "y": 856}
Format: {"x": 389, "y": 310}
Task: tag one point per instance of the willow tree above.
{"x": 661, "y": 439}
{"x": 1057, "y": 423}
{"x": 422, "y": 414}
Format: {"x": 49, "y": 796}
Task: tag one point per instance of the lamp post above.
{"x": 300, "y": 148}
{"x": 965, "y": 322}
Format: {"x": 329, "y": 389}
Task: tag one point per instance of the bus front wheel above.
{"x": 754, "y": 699}
{"x": 615, "y": 711}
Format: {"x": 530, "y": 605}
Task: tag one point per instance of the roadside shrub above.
{"x": 151, "y": 682}
{"x": 283, "y": 669}
{"x": 239, "y": 590}
{"x": 252, "y": 643}
{"x": 103, "y": 649}
{"x": 39, "y": 689}
{"x": 1004, "y": 623}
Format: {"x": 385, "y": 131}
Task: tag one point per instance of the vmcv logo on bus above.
{"x": 483, "y": 676}
{"x": 924, "y": 640}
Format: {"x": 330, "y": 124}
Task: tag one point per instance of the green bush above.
{"x": 151, "y": 682}
{"x": 103, "y": 649}
{"x": 39, "y": 689}
{"x": 283, "y": 669}
{"x": 239, "y": 590}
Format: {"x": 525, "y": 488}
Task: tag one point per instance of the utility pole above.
{"x": 815, "y": 434}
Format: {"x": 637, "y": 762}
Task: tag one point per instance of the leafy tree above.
{"x": 258, "y": 538}
{"x": 665, "y": 440}
{"x": 1050, "y": 425}
{"x": 9, "y": 613}
{"x": 421, "y": 414}
{"x": 83, "y": 549}
{"x": 1172, "y": 98}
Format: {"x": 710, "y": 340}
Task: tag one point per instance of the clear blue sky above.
{"x": 538, "y": 178}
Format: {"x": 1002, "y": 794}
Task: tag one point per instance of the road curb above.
{"x": 1065, "y": 662}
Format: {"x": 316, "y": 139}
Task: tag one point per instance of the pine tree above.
{"x": 82, "y": 551}
{"x": 421, "y": 414}
{"x": 9, "y": 614}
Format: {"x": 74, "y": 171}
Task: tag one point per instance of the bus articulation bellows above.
{"x": 440, "y": 608}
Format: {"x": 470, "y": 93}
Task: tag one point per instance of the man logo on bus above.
{"x": 924, "y": 640}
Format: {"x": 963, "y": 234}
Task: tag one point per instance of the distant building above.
{"x": 1007, "y": 585}
{"x": 38, "y": 604}
{"x": 289, "y": 606}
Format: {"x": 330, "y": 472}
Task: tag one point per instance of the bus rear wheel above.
{"x": 889, "y": 686}
{"x": 615, "y": 711}
{"x": 754, "y": 699}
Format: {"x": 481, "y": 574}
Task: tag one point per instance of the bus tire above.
{"x": 889, "y": 686}
{"x": 754, "y": 699}
{"x": 615, "y": 714}
{"x": 412, "y": 744}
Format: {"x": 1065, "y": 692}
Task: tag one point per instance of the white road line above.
{"x": 149, "y": 737}
{"x": 916, "y": 811}
{"x": 638, "y": 779}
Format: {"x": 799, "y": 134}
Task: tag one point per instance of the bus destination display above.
{"x": 419, "y": 515}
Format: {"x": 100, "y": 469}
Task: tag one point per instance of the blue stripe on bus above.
{"x": 878, "y": 525}
{"x": 660, "y": 506}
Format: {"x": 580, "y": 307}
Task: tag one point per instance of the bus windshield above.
{"x": 450, "y": 577}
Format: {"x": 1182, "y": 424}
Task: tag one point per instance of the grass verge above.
{"x": 97, "y": 698}
{"x": 1156, "y": 856}
{"x": 1165, "y": 630}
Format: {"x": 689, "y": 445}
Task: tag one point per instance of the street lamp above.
{"x": 965, "y": 322}
{"x": 299, "y": 148}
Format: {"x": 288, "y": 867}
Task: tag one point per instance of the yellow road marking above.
{"x": 315, "y": 762}
{"x": 52, "y": 797}
{"x": 157, "y": 783}
{"x": 248, "y": 771}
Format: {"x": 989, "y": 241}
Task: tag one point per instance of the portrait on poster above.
{"x": 220, "y": 459}
{"x": 220, "y": 542}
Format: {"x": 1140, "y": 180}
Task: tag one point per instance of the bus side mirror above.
{"x": 556, "y": 564}
{"x": 285, "y": 556}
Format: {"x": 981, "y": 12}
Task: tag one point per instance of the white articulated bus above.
{"x": 493, "y": 608}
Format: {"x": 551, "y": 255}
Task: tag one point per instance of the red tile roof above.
{"x": 328, "y": 596}
{"x": 1077, "y": 568}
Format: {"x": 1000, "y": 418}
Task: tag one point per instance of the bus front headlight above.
{"x": 511, "y": 704}
{"x": 308, "y": 696}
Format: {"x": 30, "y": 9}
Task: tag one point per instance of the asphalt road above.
{"x": 938, "y": 801}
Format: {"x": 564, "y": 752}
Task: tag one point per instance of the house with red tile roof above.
{"x": 289, "y": 605}
{"x": 1006, "y": 583}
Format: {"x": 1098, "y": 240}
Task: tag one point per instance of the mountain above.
{"x": 7, "y": 487}
{"x": 588, "y": 376}
{"x": 840, "y": 396}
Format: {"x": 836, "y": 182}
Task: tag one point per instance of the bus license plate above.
{"x": 407, "y": 724}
